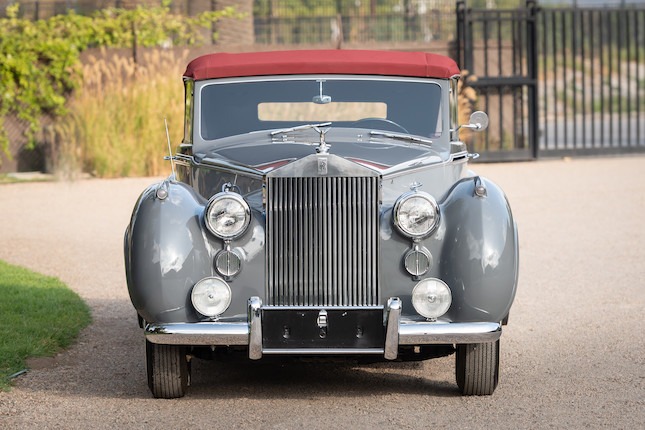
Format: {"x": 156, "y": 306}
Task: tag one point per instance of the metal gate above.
{"x": 556, "y": 81}
{"x": 497, "y": 47}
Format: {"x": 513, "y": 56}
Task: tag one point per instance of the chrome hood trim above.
{"x": 323, "y": 165}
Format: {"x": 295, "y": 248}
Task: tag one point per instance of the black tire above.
{"x": 167, "y": 368}
{"x": 477, "y": 368}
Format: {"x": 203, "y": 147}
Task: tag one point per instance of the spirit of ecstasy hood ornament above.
{"x": 323, "y": 147}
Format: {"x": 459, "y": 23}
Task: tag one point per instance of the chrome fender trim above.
{"x": 424, "y": 333}
{"x": 207, "y": 333}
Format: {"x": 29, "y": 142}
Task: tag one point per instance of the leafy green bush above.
{"x": 39, "y": 60}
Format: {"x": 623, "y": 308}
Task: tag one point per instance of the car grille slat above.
{"x": 322, "y": 241}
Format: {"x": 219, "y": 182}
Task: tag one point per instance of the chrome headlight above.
{"x": 227, "y": 215}
{"x": 431, "y": 298}
{"x": 416, "y": 214}
{"x": 211, "y": 296}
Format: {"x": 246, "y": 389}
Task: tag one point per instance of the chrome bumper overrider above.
{"x": 398, "y": 331}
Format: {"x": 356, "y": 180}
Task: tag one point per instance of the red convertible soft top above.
{"x": 388, "y": 63}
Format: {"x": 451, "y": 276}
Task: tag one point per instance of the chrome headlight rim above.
{"x": 218, "y": 198}
{"x": 203, "y": 284}
{"x": 397, "y": 220}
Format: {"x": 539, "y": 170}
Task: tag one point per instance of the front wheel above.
{"x": 167, "y": 368}
{"x": 477, "y": 368}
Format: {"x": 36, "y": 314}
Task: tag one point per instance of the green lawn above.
{"x": 39, "y": 316}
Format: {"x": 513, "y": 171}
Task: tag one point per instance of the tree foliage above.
{"x": 39, "y": 60}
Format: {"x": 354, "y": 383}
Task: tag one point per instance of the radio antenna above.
{"x": 170, "y": 157}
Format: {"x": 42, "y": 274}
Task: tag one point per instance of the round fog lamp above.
{"x": 431, "y": 298}
{"x": 211, "y": 296}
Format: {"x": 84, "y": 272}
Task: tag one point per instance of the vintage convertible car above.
{"x": 321, "y": 205}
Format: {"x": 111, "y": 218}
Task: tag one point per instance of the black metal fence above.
{"x": 355, "y": 26}
{"x": 498, "y": 48}
{"x": 592, "y": 75}
{"x": 556, "y": 81}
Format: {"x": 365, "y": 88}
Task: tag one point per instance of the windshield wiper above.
{"x": 398, "y": 136}
{"x": 300, "y": 127}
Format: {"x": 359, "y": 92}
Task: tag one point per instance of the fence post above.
{"x": 460, "y": 36}
{"x": 532, "y": 65}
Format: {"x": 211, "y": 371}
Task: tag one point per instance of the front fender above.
{"x": 479, "y": 259}
{"x": 166, "y": 252}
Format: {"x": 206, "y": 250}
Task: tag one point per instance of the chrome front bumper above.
{"x": 398, "y": 331}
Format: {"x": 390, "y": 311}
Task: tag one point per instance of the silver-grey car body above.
{"x": 321, "y": 205}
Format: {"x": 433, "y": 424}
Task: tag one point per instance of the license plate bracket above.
{"x": 319, "y": 329}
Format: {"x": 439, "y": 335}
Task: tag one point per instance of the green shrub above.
{"x": 39, "y": 60}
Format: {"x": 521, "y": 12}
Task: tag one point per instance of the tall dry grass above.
{"x": 115, "y": 126}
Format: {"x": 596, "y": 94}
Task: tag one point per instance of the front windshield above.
{"x": 403, "y": 106}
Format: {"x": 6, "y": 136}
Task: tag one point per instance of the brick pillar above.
{"x": 235, "y": 31}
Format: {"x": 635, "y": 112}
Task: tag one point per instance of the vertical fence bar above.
{"x": 583, "y": 104}
{"x": 555, "y": 79}
{"x": 469, "y": 40}
{"x": 610, "y": 66}
{"x": 601, "y": 54}
{"x": 545, "y": 52}
{"x": 639, "y": 28}
{"x": 517, "y": 99}
{"x": 574, "y": 94}
{"x": 629, "y": 78}
{"x": 460, "y": 33}
{"x": 619, "y": 53}
{"x": 499, "y": 43}
{"x": 532, "y": 65}
{"x": 592, "y": 93}
{"x": 500, "y": 91}
{"x": 485, "y": 37}
{"x": 563, "y": 39}
{"x": 520, "y": 18}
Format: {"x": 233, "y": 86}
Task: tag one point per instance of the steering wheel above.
{"x": 380, "y": 124}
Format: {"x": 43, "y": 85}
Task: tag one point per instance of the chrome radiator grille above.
{"x": 322, "y": 241}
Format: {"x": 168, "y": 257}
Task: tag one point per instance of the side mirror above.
{"x": 478, "y": 121}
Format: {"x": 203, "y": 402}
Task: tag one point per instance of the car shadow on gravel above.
{"x": 108, "y": 361}
{"x": 261, "y": 380}
{"x": 272, "y": 378}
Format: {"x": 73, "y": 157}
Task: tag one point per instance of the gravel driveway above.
{"x": 573, "y": 355}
